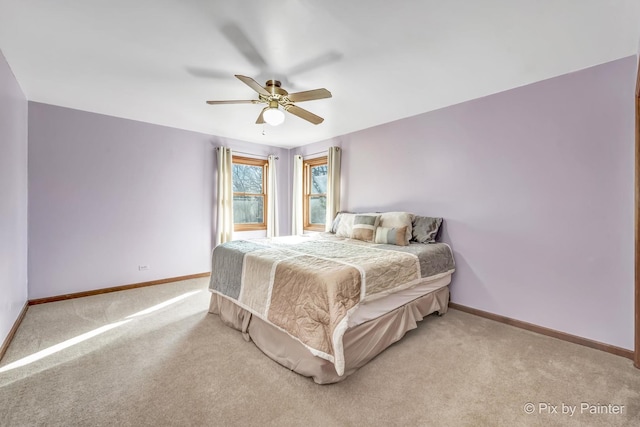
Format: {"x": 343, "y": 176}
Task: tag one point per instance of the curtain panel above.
{"x": 333, "y": 185}
{"x": 272, "y": 200}
{"x": 297, "y": 225}
{"x": 224, "y": 200}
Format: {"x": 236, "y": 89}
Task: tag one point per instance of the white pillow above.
{"x": 345, "y": 227}
{"x": 397, "y": 220}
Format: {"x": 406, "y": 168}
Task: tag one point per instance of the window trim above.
{"x": 306, "y": 192}
{"x": 249, "y": 161}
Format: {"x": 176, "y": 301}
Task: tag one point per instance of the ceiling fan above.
{"x": 274, "y": 96}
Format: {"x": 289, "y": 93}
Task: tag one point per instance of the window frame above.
{"x": 264, "y": 163}
{"x": 306, "y": 192}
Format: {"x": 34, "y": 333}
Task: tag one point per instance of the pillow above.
{"x": 398, "y": 220}
{"x": 364, "y": 227}
{"x": 425, "y": 229}
{"x": 345, "y": 225}
{"x": 336, "y": 221}
{"x": 391, "y": 236}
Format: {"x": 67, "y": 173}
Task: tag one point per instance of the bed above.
{"x": 325, "y": 304}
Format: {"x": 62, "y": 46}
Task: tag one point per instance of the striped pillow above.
{"x": 397, "y": 220}
{"x": 364, "y": 227}
{"x": 391, "y": 236}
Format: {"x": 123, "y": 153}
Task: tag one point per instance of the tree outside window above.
{"x": 315, "y": 193}
{"x": 249, "y": 193}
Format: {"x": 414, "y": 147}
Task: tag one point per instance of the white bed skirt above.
{"x": 362, "y": 342}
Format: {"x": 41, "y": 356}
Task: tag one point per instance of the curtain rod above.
{"x": 319, "y": 152}
{"x": 313, "y": 154}
{"x": 249, "y": 154}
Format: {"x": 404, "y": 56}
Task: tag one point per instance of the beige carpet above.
{"x": 178, "y": 365}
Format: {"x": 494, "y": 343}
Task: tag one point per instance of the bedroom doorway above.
{"x": 636, "y": 355}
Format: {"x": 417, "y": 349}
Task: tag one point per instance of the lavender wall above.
{"x": 13, "y": 199}
{"x": 536, "y": 188}
{"x": 107, "y": 195}
{"x": 535, "y": 184}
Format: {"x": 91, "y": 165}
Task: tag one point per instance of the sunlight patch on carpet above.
{"x": 88, "y": 335}
{"x": 162, "y": 304}
{"x": 61, "y": 346}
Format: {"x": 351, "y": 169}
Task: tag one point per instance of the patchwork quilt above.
{"x": 308, "y": 286}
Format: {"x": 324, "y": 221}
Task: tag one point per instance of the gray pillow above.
{"x": 335, "y": 223}
{"x": 425, "y": 229}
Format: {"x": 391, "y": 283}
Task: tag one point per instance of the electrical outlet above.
{"x": 143, "y": 267}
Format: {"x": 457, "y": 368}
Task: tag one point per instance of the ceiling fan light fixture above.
{"x": 273, "y": 116}
{"x": 274, "y": 96}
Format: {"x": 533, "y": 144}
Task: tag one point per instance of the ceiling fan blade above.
{"x": 303, "y": 114}
{"x": 248, "y": 101}
{"x": 208, "y": 73}
{"x": 240, "y": 41}
{"x": 309, "y": 95}
{"x": 253, "y": 85}
{"x": 261, "y": 117}
{"x": 317, "y": 62}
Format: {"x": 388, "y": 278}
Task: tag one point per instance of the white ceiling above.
{"x": 158, "y": 61}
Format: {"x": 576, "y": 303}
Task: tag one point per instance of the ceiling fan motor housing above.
{"x": 273, "y": 86}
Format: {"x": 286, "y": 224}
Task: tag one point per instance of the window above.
{"x": 249, "y": 194}
{"x": 315, "y": 193}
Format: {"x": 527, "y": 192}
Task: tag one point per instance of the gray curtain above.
{"x": 224, "y": 202}
{"x": 333, "y": 185}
